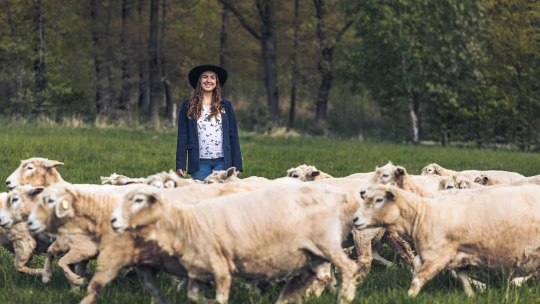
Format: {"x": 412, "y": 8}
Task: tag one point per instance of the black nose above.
{"x": 8, "y": 182}
{"x": 355, "y": 218}
{"x": 362, "y": 192}
{"x": 113, "y": 220}
{"x": 30, "y": 223}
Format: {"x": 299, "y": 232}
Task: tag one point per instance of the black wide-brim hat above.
{"x": 196, "y": 72}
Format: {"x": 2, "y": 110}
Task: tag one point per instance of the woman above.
{"x": 207, "y": 128}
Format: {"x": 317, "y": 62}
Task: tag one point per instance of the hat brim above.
{"x": 196, "y": 72}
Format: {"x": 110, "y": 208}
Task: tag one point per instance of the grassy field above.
{"x": 89, "y": 153}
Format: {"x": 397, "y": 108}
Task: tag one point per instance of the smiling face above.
{"x": 208, "y": 81}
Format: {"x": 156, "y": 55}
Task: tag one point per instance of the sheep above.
{"x": 365, "y": 255}
{"x": 263, "y": 234}
{"x": 4, "y": 240}
{"x": 228, "y": 176}
{"x": 12, "y": 218}
{"x": 86, "y": 211}
{"x": 486, "y": 180}
{"x": 169, "y": 180}
{"x": 307, "y": 173}
{"x": 36, "y": 172}
{"x": 120, "y": 180}
{"x": 74, "y": 237}
{"x": 503, "y": 176}
{"x": 474, "y": 229}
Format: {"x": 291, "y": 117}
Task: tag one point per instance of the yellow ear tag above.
{"x": 64, "y": 204}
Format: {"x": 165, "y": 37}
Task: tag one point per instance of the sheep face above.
{"x": 431, "y": 169}
{"x": 119, "y": 180}
{"x": 304, "y": 173}
{"x": 53, "y": 208}
{"x": 379, "y": 208}
{"x": 221, "y": 177}
{"x": 18, "y": 205}
{"x": 483, "y": 180}
{"x": 389, "y": 174}
{"x": 35, "y": 172}
{"x": 446, "y": 184}
{"x": 461, "y": 182}
{"x": 139, "y": 208}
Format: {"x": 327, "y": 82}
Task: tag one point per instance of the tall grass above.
{"x": 89, "y": 153}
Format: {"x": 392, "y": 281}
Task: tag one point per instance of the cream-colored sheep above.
{"x": 75, "y": 229}
{"x": 307, "y": 173}
{"x": 473, "y": 229}
{"x": 366, "y": 175}
{"x": 230, "y": 175}
{"x": 486, "y": 180}
{"x": 13, "y": 219}
{"x": 275, "y": 232}
{"x": 4, "y": 240}
{"x": 503, "y": 176}
{"x": 36, "y": 172}
{"x": 169, "y": 180}
{"x": 120, "y": 180}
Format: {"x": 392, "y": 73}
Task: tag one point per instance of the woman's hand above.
{"x": 181, "y": 172}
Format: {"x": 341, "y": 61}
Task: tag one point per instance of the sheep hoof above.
{"x": 45, "y": 279}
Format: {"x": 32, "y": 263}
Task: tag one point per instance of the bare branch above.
{"x": 241, "y": 18}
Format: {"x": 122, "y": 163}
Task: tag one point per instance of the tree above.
{"x": 223, "y": 45}
{"x": 39, "y": 48}
{"x": 155, "y": 86}
{"x": 267, "y": 39}
{"x": 326, "y": 62}
{"x": 294, "y": 66}
{"x": 18, "y": 73}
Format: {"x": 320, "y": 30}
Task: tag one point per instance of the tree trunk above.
{"x": 326, "y": 64}
{"x": 18, "y": 74}
{"x": 269, "y": 50}
{"x": 267, "y": 38}
{"x": 164, "y": 74}
{"x": 144, "y": 98}
{"x": 109, "y": 59}
{"x": 98, "y": 62}
{"x": 414, "y": 118}
{"x": 155, "y": 86}
{"x": 223, "y": 47}
{"x": 39, "y": 64}
{"x": 294, "y": 66}
{"x": 127, "y": 55}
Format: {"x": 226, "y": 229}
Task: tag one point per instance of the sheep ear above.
{"x": 231, "y": 171}
{"x": 486, "y": 179}
{"x": 52, "y": 163}
{"x": 400, "y": 171}
{"x": 315, "y": 173}
{"x": 389, "y": 194}
{"x": 290, "y": 172}
{"x": 35, "y": 191}
{"x": 64, "y": 209}
{"x": 152, "y": 198}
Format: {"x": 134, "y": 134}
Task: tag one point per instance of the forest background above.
{"x": 450, "y": 71}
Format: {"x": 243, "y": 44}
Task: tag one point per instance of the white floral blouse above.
{"x": 210, "y": 133}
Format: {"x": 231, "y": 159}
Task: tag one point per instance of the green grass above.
{"x": 89, "y": 153}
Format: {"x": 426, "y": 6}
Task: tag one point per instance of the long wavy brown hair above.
{"x": 196, "y": 101}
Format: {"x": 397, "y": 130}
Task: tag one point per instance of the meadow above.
{"x": 89, "y": 153}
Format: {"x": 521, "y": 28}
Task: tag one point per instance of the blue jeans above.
{"x": 206, "y": 166}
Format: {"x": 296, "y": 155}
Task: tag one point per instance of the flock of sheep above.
{"x": 292, "y": 229}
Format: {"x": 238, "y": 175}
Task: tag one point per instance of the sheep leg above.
{"x": 24, "y": 250}
{"x": 223, "y": 281}
{"x": 53, "y": 251}
{"x": 75, "y": 255}
{"x": 296, "y": 287}
{"x": 402, "y": 248}
{"x": 108, "y": 267}
{"x": 147, "y": 277}
{"x": 194, "y": 290}
{"x": 427, "y": 271}
{"x": 80, "y": 268}
{"x": 323, "y": 277}
{"x": 463, "y": 278}
{"x": 362, "y": 241}
{"x": 377, "y": 257}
